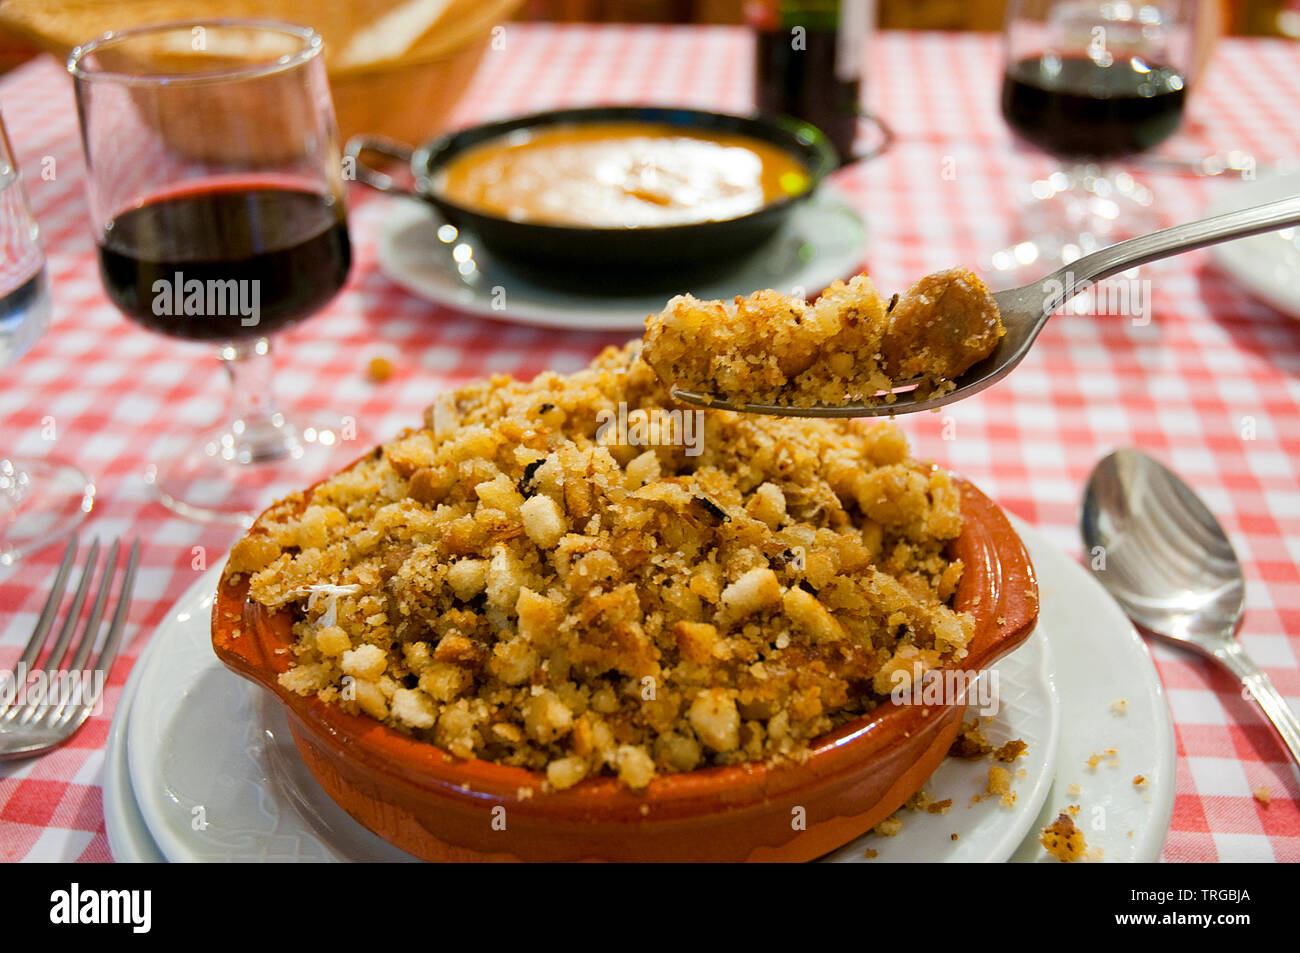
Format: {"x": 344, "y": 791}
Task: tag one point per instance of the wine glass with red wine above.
{"x": 1090, "y": 83}
{"x": 216, "y": 194}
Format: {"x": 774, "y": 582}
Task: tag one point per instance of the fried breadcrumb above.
{"x": 847, "y": 346}
{"x": 971, "y": 741}
{"x": 1063, "y": 840}
{"x": 1110, "y": 757}
{"x": 1009, "y": 752}
{"x": 514, "y": 582}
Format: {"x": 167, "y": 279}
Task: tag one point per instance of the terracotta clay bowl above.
{"x": 439, "y": 807}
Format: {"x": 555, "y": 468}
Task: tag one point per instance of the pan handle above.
{"x": 884, "y": 137}
{"x": 373, "y": 177}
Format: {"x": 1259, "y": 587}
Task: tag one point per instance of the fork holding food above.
{"x": 772, "y": 348}
{"x": 850, "y": 355}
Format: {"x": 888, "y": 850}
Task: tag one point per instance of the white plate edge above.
{"x": 530, "y": 315}
{"x": 1163, "y": 793}
{"x": 149, "y": 660}
{"x": 1228, "y": 255}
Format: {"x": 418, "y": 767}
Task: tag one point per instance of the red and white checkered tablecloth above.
{"x": 1179, "y": 387}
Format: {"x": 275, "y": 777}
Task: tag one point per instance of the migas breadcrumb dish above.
{"x": 621, "y": 647}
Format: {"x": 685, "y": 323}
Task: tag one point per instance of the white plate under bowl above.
{"x": 213, "y": 767}
{"x": 823, "y": 239}
{"x": 988, "y": 832}
{"x": 200, "y": 735}
{"x": 1268, "y": 265}
{"x": 1100, "y": 659}
{"x": 129, "y": 840}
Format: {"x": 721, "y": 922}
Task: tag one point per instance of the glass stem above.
{"x": 258, "y": 430}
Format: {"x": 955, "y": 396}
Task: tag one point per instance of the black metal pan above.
{"x": 578, "y": 249}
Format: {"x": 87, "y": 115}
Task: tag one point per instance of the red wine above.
{"x": 1075, "y": 108}
{"x": 226, "y": 264}
{"x": 803, "y": 83}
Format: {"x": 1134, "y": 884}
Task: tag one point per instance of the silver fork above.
{"x": 32, "y": 726}
{"x": 1026, "y": 309}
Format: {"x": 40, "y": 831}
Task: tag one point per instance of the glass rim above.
{"x": 310, "y": 47}
{"x": 7, "y": 161}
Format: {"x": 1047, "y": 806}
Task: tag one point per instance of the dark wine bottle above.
{"x": 808, "y": 58}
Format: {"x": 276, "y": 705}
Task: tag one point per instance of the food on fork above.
{"x": 515, "y": 582}
{"x": 847, "y": 346}
{"x": 942, "y": 325}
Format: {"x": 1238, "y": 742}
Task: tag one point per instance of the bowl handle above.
{"x": 373, "y": 177}
{"x": 884, "y": 137}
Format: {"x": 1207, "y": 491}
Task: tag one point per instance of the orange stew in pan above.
{"x": 621, "y": 175}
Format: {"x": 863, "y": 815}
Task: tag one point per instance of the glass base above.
{"x": 40, "y": 503}
{"x": 1068, "y": 215}
{"x": 234, "y": 472}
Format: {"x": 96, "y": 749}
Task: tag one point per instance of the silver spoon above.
{"x": 1164, "y": 557}
{"x": 1026, "y": 309}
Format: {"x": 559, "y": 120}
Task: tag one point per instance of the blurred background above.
{"x": 26, "y": 25}
{"x": 424, "y": 53}
{"x": 1245, "y": 17}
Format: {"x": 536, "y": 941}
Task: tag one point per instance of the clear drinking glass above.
{"x": 1090, "y": 83}
{"x": 216, "y": 195}
{"x": 40, "y": 500}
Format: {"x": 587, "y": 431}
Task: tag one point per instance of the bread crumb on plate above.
{"x": 1110, "y": 757}
{"x": 889, "y": 827}
{"x": 971, "y": 741}
{"x": 1010, "y": 751}
{"x": 1063, "y": 840}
